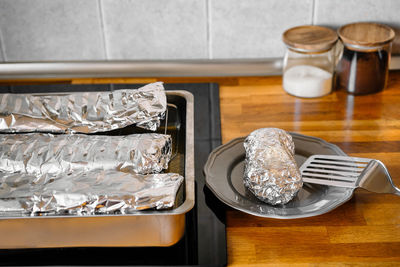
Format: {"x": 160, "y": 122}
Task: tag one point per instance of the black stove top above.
{"x": 204, "y": 241}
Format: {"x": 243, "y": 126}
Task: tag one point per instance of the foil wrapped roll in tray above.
{"x": 87, "y": 193}
{"x": 271, "y": 172}
{"x": 86, "y": 112}
{"x": 85, "y": 174}
{"x": 46, "y": 155}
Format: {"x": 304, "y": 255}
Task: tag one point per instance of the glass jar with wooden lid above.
{"x": 309, "y": 60}
{"x": 364, "y": 63}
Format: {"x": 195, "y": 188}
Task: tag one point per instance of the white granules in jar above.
{"x": 307, "y": 81}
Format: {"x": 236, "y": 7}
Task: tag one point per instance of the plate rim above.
{"x": 218, "y": 150}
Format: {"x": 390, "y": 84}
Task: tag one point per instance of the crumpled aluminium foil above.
{"x": 87, "y": 193}
{"x": 85, "y": 174}
{"x": 271, "y": 172}
{"x": 86, "y": 112}
{"x": 46, "y": 155}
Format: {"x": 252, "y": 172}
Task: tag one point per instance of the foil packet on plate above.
{"x": 88, "y": 193}
{"x": 271, "y": 172}
{"x": 86, "y": 112}
{"x": 45, "y": 155}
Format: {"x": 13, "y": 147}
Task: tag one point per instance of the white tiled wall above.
{"x": 48, "y": 30}
{"x": 253, "y": 28}
{"x": 1, "y": 50}
{"x": 155, "y": 29}
{"x": 51, "y": 30}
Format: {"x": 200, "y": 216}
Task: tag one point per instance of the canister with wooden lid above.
{"x": 364, "y": 63}
{"x": 309, "y": 60}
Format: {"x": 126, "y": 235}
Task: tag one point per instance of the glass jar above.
{"x": 309, "y": 61}
{"x": 364, "y": 63}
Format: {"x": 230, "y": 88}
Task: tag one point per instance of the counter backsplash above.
{"x": 81, "y": 30}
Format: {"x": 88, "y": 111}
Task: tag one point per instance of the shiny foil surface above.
{"x": 87, "y": 193}
{"x": 45, "y": 155}
{"x": 86, "y": 112}
{"x": 85, "y": 174}
{"x": 271, "y": 172}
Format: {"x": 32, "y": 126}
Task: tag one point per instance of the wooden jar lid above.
{"x": 365, "y": 34}
{"x": 310, "y": 38}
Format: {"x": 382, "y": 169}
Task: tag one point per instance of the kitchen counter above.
{"x": 363, "y": 231}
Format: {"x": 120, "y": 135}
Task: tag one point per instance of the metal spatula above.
{"x": 351, "y": 172}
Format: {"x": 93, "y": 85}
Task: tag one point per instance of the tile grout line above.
{"x": 2, "y": 47}
{"x": 209, "y": 39}
{"x": 313, "y": 12}
{"x": 103, "y": 30}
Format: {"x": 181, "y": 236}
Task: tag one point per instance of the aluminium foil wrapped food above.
{"x": 271, "y": 172}
{"x": 85, "y": 112}
{"x": 88, "y": 193}
{"x": 85, "y": 174}
{"x": 47, "y": 154}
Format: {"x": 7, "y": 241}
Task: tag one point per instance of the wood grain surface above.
{"x": 366, "y": 34}
{"x": 364, "y": 231}
{"x": 310, "y": 37}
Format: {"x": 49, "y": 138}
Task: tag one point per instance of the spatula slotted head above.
{"x": 332, "y": 170}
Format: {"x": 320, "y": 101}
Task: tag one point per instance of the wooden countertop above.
{"x": 363, "y": 231}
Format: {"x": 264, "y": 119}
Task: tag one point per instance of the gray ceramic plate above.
{"x": 224, "y": 176}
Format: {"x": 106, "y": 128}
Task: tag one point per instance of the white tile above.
{"x": 155, "y": 29}
{"x": 253, "y": 28}
{"x": 336, "y": 13}
{"x": 51, "y": 30}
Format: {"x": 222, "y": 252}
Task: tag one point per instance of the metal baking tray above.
{"x": 141, "y": 229}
